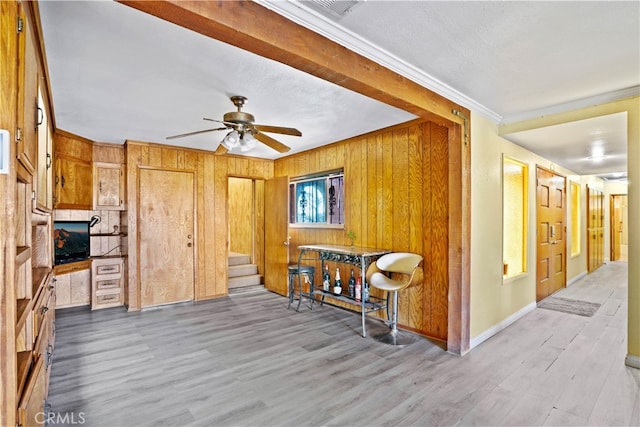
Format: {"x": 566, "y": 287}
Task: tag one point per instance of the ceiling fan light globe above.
{"x": 249, "y": 140}
{"x": 244, "y": 147}
{"x": 232, "y": 140}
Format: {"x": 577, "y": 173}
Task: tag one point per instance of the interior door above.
{"x": 166, "y": 224}
{"x": 276, "y": 195}
{"x": 595, "y": 228}
{"x": 618, "y": 210}
{"x": 551, "y": 233}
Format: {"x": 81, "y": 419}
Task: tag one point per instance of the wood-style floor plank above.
{"x": 245, "y": 360}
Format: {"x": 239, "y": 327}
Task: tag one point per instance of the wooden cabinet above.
{"x": 108, "y": 186}
{"x": 44, "y": 187}
{"x": 27, "y": 96}
{"x": 107, "y": 285}
{"x": 73, "y": 284}
{"x": 28, "y": 295}
{"x": 31, "y": 408}
{"x": 73, "y": 179}
{"x": 73, "y": 171}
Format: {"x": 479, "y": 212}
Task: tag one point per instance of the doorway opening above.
{"x": 618, "y": 215}
{"x": 246, "y": 234}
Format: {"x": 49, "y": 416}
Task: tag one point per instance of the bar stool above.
{"x": 300, "y": 270}
{"x": 379, "y": 276}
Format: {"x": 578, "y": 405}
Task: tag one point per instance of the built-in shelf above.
{"x": 39, "y": 275}
{"x": 23, "y": 307}
{"x": 24, "y": 359}
{"x": 23, "y": 254}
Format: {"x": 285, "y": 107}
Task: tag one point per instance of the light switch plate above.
{"x": 4, "y": 151}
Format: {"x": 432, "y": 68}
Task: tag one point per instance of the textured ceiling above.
{"x": 119, "y": 74}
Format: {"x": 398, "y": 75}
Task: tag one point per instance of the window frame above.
{"x": 326, "y": 175}
{"x": 524, "y": 221}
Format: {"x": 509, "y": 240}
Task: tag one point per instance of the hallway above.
{"x": 246, "y": 360}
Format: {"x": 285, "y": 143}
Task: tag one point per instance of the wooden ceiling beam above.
{"x": 252, "y": 27}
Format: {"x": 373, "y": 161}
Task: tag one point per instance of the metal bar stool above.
{"x": 300, "y": 270}
{"x": 407, "y": 272}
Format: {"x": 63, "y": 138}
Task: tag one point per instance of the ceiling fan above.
{"x": 243, "y": 132}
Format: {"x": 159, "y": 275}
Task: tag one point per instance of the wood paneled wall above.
{"x": 211, "y": 173}
{"x": 241, "y": 230}
{"x": 397, "y": 197}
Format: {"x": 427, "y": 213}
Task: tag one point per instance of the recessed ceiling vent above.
{"x": 335, "y": 8}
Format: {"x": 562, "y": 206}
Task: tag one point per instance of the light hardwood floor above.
{"x": 246, "y": 360}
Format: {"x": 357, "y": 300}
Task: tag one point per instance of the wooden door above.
{"x": 595, "y": 228}
{"x": 551, "y": 233}
{"x": 166, "y": 240}
{"x": 618, "y": 205}
{"x": 27, "y": 150}
{"x": 44, "y": 193}
{"x": 276, "y": 195}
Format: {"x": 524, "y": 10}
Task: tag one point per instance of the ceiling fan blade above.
{"x": 220, "y": 150}
{"x": 278, "y": 129}
{"x": 268, "y": 141}
{"x": 220, "y": 121}
{"x": 193, "y": 133}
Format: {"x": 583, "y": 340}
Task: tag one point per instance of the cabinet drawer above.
{"x": 108, "y": 299}
{"x": 114, "y": 268}
{"x": 102, "y": 284}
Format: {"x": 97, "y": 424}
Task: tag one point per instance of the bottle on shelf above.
{"x": 358, "y": 289}
{"x": 365, "y": 292}
{"x": 337, "y": 286}
{"x": 326, "y": 279}
{"x": 352, "y": 285}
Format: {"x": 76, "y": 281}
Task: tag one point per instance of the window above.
{"x": 514, "y": 216}
{"x": 317, "y": 200}
{"x": 575, "y": 219}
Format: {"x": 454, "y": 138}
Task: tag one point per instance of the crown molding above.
{"x": 308, "y": 18}
{"x": 577, "y": 104}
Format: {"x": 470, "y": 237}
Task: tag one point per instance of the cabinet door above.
{"x": 44, "y": 189}
{"x": 31, "y": 409}
{"x": 27, "y": 96}
{"x": 108, "y": 187}
{"x": 73, "y": 183}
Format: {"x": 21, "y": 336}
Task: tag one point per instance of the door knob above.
{"x": 286, "y": 243}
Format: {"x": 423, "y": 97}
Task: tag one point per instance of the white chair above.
{"x": 392, "y": 273}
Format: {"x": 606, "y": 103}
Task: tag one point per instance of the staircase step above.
{"x": 242, "y": 270}
{"x": 236, "y": 258}
{"x": 242, "y": 281}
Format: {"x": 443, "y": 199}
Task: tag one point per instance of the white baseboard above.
{"x": 479, "y": 339}
{"x": 575, "y": 279}
{"x": 633, "y": 361}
